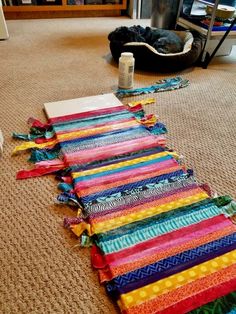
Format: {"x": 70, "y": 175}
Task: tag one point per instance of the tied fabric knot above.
{"x": 81, "y": 227}
{"x": 160, "y": 86}
{"x": 230, "y": 210}
{"x": 38, "y": 124}
{"x": 68, "y": 198}
{"x": 146, "y": 101}
{"x": 149, "y": 120}
{"x": 41, "y": 168}
{"x": 97, "y": 259}
{"x": 31, "y": 144}
{"x": 38, "y": 130}
{"x": 65, "y": 187}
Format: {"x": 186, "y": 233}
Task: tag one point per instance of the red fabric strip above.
{"x": 38, "y": 124}
{"x": 87, "y": 114}
{"x": 37, "y": 172}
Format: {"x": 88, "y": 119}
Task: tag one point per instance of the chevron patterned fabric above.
{"x": 160, "y": 242}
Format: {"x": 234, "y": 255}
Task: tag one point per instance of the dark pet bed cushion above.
{"x": 149, "y": 59}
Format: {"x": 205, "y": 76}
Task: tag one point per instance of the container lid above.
{"x": 127, "y": 54}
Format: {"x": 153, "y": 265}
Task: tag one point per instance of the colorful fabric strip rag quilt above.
{"x": 160, "y": 241}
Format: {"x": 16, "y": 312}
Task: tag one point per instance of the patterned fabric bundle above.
{"x": 160, "y": 241}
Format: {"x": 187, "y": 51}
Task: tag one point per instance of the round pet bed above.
{"x": 149, "y": 59}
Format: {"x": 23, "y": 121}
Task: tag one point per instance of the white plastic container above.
{"x": 126, "y": 70}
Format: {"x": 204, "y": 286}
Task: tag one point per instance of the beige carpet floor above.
{"x": 41, "y": 269}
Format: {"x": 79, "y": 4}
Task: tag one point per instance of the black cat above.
{"x": 164, "y": 41}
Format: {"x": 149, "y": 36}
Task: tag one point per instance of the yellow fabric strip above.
{"x": 119, "y": 165}
{"x": 29, "y": 145}
{"x": 163, "y": 286}
{"x": 148, "y": 122}
{"x": 147, "y": 212}
{"x": 87, "y": 132}
{"x": 146, "y": 101}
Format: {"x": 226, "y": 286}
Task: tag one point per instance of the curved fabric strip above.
{"x": 171, "y": 283}
{"x": 161, "y": 85}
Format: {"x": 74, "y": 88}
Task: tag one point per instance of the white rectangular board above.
{"x": 79, "y": 105}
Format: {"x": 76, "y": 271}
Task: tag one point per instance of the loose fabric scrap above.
{"x": 168, "y": 84}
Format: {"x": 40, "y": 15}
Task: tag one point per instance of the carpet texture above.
{"x": 42, "y": 270}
